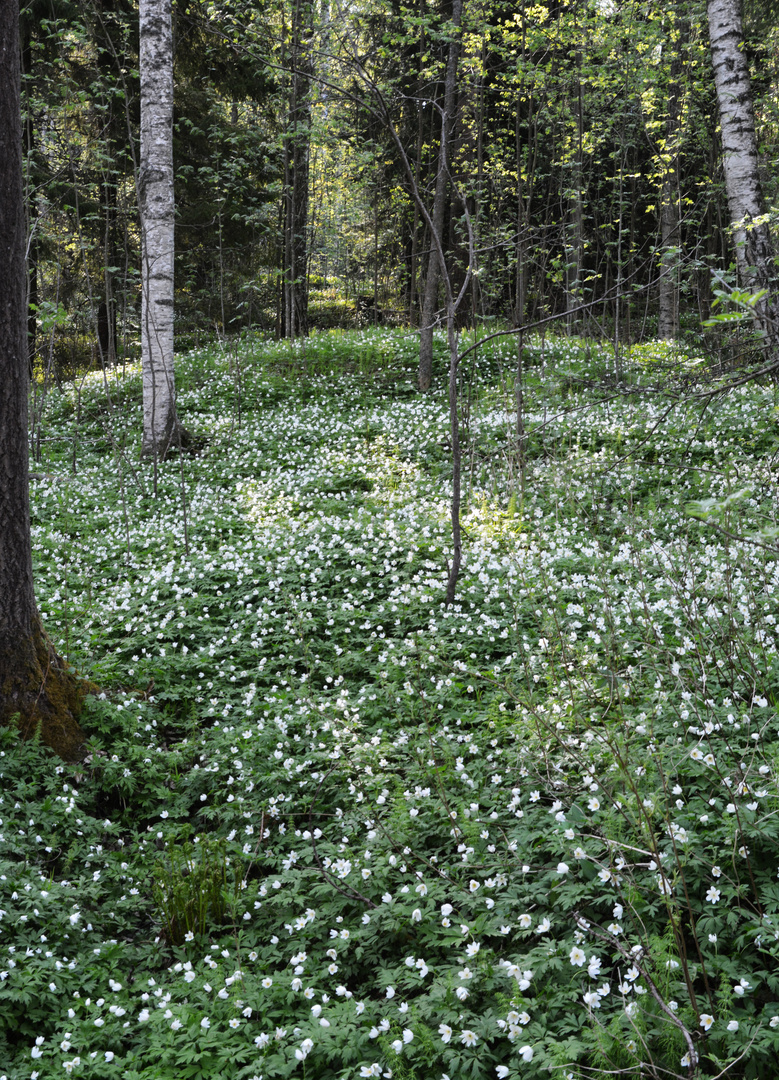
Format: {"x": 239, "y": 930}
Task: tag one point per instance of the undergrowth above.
{"x": 328, "y": 827}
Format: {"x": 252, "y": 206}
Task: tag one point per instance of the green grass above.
{"x": 533, "y": 831}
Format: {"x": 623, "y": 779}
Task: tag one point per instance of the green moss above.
{"x": 42, "y": 696}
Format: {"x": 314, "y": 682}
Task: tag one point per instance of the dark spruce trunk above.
{"x": 37, "y": 691}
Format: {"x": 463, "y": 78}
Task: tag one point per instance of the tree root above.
{"x": 41, "y": 695}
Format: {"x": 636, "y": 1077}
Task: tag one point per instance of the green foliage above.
{"x": 191, "y": 889}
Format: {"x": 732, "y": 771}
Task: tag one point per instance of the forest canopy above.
{"x": 584, "y": 165}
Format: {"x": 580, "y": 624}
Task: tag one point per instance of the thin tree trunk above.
{"x": 523, "y": 198}
{"x": 414, "y": 269}
{"x": 376, "y": 259}
{"x": 668, "y": 288}
{"x": 454, "y": 434}
{"x": 106, "y": 312}
{"x": 36, "y": 689}
{"x": 288, "y": 321}
{"x": 668, "y": 314}
{"x": 452, "y": 301}
{"x": 477, "y": 297}
{"x": 740, "y": 161}
{"x": 574, "y": 239}
{"x": 296, "y": 167}
{"x": 429, "y": 303}
{"x": 31, "y": 205}
{"x": 155, "y": 197}
{"x": 520, "y": 277}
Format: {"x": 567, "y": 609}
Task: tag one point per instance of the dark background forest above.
{"x": 584, "y": 158}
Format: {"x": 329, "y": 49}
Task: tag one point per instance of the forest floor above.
{"x": 328, "y": 827}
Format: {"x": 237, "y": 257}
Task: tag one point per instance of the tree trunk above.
{"x": 574, "y": 229}
{"x": 430, "y": 301}
{"x": 523, "y": 197}
{"x": 668, "y": 291}
{"x": 155, "y": 197}
{"x": 36, "y": 689}
{"x": 106, "y": 312}
{"x": 296, "y": 178}
{"x": 413, "y": 277}
{"x": 740, "y": 161}
{"x": 668, "y": 286}
{"x": 30, "y": 202}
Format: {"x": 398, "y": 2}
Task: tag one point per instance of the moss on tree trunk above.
{"x": 40, "y": 694}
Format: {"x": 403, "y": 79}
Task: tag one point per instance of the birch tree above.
{"x": 741, "y": 166}
{"x": 37, "y": 690}
{"x": 161, "y": 429}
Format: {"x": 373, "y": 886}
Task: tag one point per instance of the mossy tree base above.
{"x": 37, "y": 691}
{"x": 40, "y": 695}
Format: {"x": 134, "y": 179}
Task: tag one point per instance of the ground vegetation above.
{"x": 327, "y": 825}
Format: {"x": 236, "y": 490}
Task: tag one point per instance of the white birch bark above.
{"x": 155, "y": 198}
{"x": 751, "y": 235}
